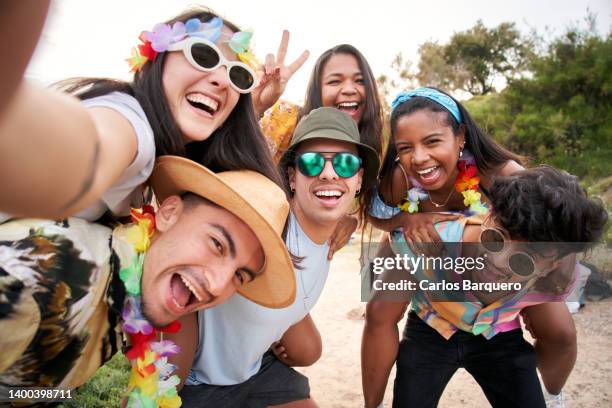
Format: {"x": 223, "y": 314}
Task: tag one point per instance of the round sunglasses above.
{"x": 206, "y": 56}
{"x": 496, "y": 242}
{"x": 345, "y": 164}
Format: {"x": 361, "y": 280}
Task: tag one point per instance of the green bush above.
{"x": 561, "y": 114}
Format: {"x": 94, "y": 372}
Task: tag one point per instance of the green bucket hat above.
{"x": 332, "y": 124}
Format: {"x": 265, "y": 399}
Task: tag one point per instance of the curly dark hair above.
{"x": 544, "y": 204}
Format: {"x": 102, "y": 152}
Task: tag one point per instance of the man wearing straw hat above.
{"x": 325, "y": 167}
{"x": 70, "y": 290}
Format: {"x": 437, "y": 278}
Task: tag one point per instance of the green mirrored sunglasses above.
{"x": 345, "y": 164}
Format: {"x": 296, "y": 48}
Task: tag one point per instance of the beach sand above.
{"x": 335, "y": 380}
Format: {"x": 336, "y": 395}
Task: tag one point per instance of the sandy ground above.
{"x": 335, "y": 379}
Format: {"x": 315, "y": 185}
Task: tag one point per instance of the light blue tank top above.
{"x": 235, "y": 335}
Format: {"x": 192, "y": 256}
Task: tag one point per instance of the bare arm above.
{"x": 554, "y": 332}
{"x": 59, "y": 158}
{"x": 187, "y": 339}
{"x": 379, "y": 347}
{"x": 301, "y": 344}
{"x": 342, "y": 234}
{"x": 506, "y": 169}
{"x": 24, "y": 19}
{"x": 418, "y": 227}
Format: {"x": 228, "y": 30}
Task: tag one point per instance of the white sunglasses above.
{"x": 206, "y": 56}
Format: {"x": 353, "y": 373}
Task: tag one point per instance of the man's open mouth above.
{"x": 329, "y": 196}
{"x": 184, "y": 293}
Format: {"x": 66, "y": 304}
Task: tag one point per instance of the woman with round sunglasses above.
{"x": 540, "y": 219}
{"x": 439, "y": 161}
{"x": 195, "y": 93}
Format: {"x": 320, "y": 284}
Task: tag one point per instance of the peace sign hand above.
{"x": 274, "y": 75}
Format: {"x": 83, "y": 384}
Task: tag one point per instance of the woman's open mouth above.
{"x": 429, "y": 175}
{"x": 203, "y": 103}
{"x": 350, "y": 108}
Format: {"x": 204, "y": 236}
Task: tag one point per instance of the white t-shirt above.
{"x": 127, "y": 190}
{"x": 234, "y": 335}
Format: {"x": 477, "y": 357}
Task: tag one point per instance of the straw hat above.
{"x": 253, "y": 198}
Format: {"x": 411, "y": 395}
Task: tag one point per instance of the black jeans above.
{"x": 504, "y": 366}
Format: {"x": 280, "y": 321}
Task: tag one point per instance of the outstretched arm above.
{"x": 57, "y": 157}
{"x": 23, "y": 19}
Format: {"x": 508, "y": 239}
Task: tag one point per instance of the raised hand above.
{"x": 274, "y": 75}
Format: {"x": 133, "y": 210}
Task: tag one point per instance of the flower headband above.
{"x": 158, "y": 40}
{"x": 446, "y": 101}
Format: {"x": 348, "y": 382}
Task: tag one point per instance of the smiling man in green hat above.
{"x": 324, "y": 167}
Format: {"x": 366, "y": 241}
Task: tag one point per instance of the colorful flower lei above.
{"x": 158, "y": 40}
{"x": 151, "y": 383}
{"x": 466, "y": 183}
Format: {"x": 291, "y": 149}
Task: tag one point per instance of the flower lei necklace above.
{"x": 466, "y": 183}
{"x": 151, "y": 383}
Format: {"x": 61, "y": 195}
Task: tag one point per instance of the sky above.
{"x": 93, "y": 38}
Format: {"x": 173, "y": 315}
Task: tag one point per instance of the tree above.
{"x": 562, "y": 113}
{"x": 472, "y": 61}
{"x": 479, "y": 56}
{"x": 433, "y": 68}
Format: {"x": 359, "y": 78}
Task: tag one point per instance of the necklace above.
{"x": 151, "y": 383}
{"x": 297, "y": 248}
{"x": 301, "y": 271}
{"x": 466, "y": 183}
{"x": 437, "y": 205}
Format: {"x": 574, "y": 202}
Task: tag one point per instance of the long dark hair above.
{"x": 487, "y": 153}
{"x": 371, "y": 123}
{"x": 236, "y": 145}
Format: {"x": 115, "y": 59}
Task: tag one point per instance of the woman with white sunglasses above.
{"x": 197, "y": 92}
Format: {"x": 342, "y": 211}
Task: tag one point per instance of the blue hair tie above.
{"x": 446, "y": 101}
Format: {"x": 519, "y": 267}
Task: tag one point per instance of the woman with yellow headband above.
{"x": 195, "y": 93}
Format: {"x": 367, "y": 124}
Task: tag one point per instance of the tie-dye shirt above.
{"x": 472, "y": 315}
